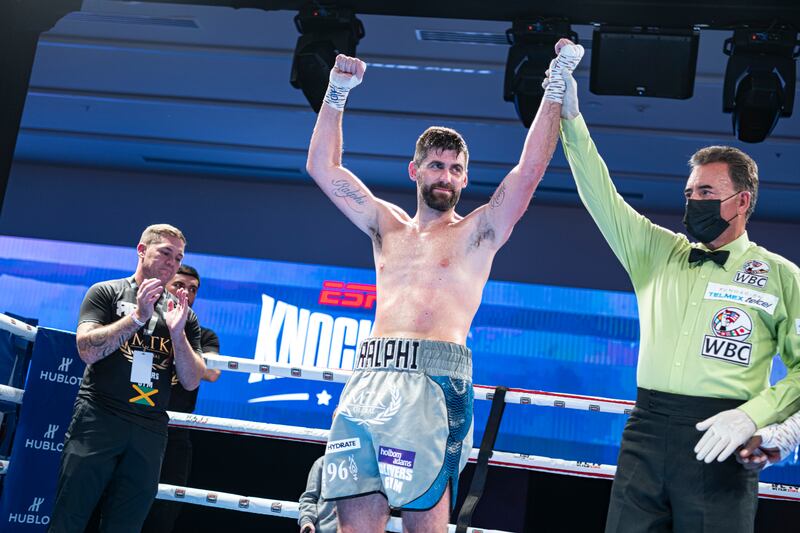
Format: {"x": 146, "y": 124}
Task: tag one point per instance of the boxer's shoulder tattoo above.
{"x": 498, "y": 197}
{"x": 355, "y": 198}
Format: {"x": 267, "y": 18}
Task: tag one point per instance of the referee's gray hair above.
{"x": 742, "y": 170}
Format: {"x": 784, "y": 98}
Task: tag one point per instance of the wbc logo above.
{"x": 732, "y": 322}
{"x": 753, "y": 273}
{"x": 731, "y": 327}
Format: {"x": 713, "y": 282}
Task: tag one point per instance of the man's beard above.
{"x": 439, "y": 203}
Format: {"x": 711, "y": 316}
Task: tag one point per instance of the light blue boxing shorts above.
{"x": 403, "y": 427}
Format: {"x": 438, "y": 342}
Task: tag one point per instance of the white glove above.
{"x": 345, "y": 74}
{"x": 568, "y": 58}
{"x": 724, "y": 433}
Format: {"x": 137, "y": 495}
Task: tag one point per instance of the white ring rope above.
{"x": 263, "y": 506}
{"x": 247, "y": 427}
{"x": 17, "y": 327}
{"x": 498, "y": 458}
{"x": 10, "y": 394}
{"x": 482, "y": 392}
{"x": 319, "y": 436}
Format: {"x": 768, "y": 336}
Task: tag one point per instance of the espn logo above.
{"x": 341, "y": 294}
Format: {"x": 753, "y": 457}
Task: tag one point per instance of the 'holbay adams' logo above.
{"x": 753, "y": 273}
{"x": 731, "y": 327}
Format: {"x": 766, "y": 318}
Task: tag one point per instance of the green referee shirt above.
{"x": 705, "y": 330}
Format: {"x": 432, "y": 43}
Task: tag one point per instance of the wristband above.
{"x": 140, "y": 324}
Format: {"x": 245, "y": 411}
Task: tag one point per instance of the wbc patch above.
{"x": 731, "y": 327}
{"x": 753, "y": 273}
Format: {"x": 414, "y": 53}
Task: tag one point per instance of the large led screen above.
{"x": 557, "y": 339}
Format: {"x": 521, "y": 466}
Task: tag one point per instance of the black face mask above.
{"x": 703, "y": 220}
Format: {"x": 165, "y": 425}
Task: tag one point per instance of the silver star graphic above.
{"x": 323, "y": 398}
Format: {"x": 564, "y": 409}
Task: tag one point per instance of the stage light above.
{"x": 528, "y": 58}
{"x": 759, "y": 80}
{"x": 325, "y": 32}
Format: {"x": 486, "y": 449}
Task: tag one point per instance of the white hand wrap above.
{"x": 339, "y": 86}
{"x": 784, "y": 436}
{"x": 568, "y": 58}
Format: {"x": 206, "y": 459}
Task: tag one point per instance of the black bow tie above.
{"x": 700, "y": 256}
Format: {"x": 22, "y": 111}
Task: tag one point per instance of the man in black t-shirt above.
{"x": 177, "y": 462}
{"x": 133, "y": 336}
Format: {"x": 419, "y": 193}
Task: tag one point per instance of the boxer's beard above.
{"x": 439, "y": 202}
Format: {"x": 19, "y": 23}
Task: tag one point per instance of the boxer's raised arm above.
{"x": 324, "y": 163}
{"x": 512, "y": 197}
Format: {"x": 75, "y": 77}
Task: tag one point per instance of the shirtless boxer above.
{"x": 403, "y": 430}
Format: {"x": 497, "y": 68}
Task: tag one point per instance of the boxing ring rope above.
{"x": 262, "y": 506}
{"x": 18, "y": 328}
{"x": 481, "y": 392}
{"x": 319, "y": 436}
{"x": 10, "y": 394}
{"x": 501, "y": 459}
